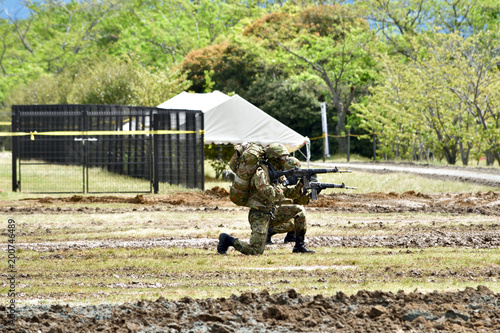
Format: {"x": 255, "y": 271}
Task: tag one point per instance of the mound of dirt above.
{"x": 482, "y": 203}
{"x": 470, "y": 310}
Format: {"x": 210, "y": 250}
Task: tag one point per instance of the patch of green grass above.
{"x": 58, "y": 178}
{"x": 367, "y": 182}
{"x": 119, "y": 275}
{"x": 43, "y": 177}
{"x": 358, "y": 158}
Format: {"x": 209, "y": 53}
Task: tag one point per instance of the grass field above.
{"x": 53, "y": 178}
{"x": 105, "y": 252}
{"x": 116, "y": 264}
{"x": 69, "y": 179}
{"x": 38, "y": 177}
{"x": 124, "y": 275}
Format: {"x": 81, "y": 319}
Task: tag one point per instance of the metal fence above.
{"x": 105, "y": 148}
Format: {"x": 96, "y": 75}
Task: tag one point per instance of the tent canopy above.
{"x": 233, "y": 120}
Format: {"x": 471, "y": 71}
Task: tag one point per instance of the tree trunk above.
{"x": 340, "y": 131}
{"x": 450, "y": 154}
{"x": 490, "y": 158}
{"x": 464, "y": 153}
{"x": 342, "y": 110}
{"x": 497, "y": 156}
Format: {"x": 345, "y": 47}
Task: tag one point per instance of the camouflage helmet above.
{"x": 276, "y": 150}
{"x": 292, "y": 163}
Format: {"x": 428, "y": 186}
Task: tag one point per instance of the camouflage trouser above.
{"x": 286, "y": 218}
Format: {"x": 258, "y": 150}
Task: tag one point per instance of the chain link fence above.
{"x": 102, "y": 149}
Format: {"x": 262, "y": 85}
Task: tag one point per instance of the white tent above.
{"x": 233, "y": 120}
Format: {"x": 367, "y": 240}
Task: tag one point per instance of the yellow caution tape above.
{"x": 5, "y": 122}
{"x": 340, "y": 136}
{"x": 90, "y": 133}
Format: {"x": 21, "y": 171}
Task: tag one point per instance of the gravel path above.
{"x": 485, "y": 176}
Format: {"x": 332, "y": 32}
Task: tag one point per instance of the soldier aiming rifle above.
{"x": 308, "y": 178}
{"x": 291, "y": 176}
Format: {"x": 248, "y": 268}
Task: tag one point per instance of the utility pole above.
{"x": 324, "y": 122}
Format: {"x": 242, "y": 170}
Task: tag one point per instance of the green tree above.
{"x": 294, "y": 102}
{"x": 105, "y": 81}
{"x": 233, "y": 67}
{"x": 154, "y": 33}
{"x": 445, "y": 100}
{"x": 55, "y": 37}
{"x": 397, "y": 20}
{"x": 319, "y": 49}
{"x": 330, "y": 44}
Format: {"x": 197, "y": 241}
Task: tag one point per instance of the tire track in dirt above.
{"x": 486, "y": 239}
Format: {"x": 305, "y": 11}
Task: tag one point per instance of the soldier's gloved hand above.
{"x": 292, "y": 180}
{"x": 280, "y": 188}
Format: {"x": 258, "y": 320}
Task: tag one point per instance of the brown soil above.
{"x": 484, "y": 203}
{"x": 469, "y": 310}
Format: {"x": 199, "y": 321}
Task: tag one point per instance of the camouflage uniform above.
{"x": 298, "y": 199}
{"x": 263, "y": 198}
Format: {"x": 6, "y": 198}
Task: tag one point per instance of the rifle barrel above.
{"x": 334, "y": 170}
{"x": 329, "y": 185}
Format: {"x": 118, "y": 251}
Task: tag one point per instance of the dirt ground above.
{"x": 469, "y": 310}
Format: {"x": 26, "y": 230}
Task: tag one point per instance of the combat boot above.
{"x": 290, "y": 237}
{"x": 270, "y": 233}
{"x": 225, "y": 241}
{"x": 300, "y": 245}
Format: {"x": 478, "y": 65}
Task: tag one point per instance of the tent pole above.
{"x": 308, "y": 152}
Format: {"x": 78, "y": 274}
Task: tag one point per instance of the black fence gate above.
{"x": 105, "y": 149}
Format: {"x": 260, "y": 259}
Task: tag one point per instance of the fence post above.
{"x": 374, "y": 147}
{"x": 15, "y": 150}
{"x": 85, "y": 169}
{"x": 156, "y": 151}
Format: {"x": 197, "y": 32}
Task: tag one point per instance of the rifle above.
{"x": 316, "y": 187}
{"x": 308, "y": 177}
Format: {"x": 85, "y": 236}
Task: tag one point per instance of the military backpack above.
{"x": 244, "y": 162}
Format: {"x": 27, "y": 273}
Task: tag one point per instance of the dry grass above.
{"x": 125, "y": 275}
{"x": 100, "y": 275}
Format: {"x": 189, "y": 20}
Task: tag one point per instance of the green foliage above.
{"x": 290, "y": 60}
{"x": 106, "y": 81}
{"x": 218, "y": 157}
{"x": 430, "y": 65}
{"x": 209, "y": 84}
{"x": 396, "y": 21}
{"x": 337, "y": 55}
{"x": 157, "y": 34}
{"x": 444, "y": 100}
{"x": 232, "y": 68}
{"x": 56, "y": 36}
